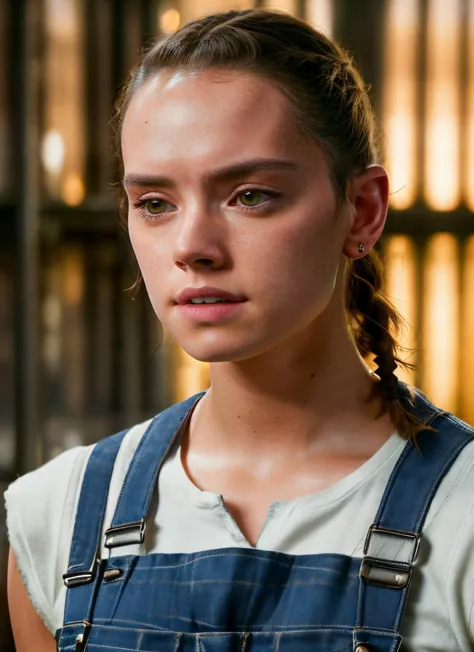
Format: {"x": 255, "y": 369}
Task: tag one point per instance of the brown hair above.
{"x": 331, "y": 106}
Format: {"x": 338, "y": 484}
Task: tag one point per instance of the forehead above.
{"x": 194, "y": 115}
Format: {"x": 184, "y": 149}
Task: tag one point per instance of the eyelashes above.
{"x": 152, "y": 208}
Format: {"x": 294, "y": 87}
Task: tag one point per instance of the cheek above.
{"x": 303, "y": 262}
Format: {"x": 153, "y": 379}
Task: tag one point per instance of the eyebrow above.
{"x": 223, "y": 174}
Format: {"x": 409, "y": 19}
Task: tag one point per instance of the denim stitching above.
{"x": 276, "y": 645}
{"x": 447, "y": 465}
{"x": 360, "y": 601}
{"x": 401, "y": 606}
{"x": 137, "y": 459}
{"x": 292, "y": 562}
{"x": 131, "y": 465}
{"x": 467, "y": 467}
{"x": 376, "y": 630}
{"x": 243, "y": 629}
{"x": 177, "y": 641}
{"x": 139, "y": 641}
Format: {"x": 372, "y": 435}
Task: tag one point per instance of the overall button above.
{"x": 361, "y": 648}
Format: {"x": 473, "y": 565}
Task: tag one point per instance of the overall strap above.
{"x": 418, "y": 473}
{"x": 129, "y": 521}
{"x": 91, "y": 509}
{"x": 83, "y": 576}
{"x": 393, "y": 541}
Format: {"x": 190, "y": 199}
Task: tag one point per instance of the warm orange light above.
{"x": 63, "y": 146}
{"x": 73, "y": 190}
{"x": 399, "y": 99}
{"x": 400, "y": 273}
{"x": 467, "y": 317}
{"x": 190, "y": 375}
{"x": 52, "y": 314}
{"x": 73, "y": 276}
{"x": 441, "y": 321}
{"x": 319, "y": 14}
{"x": 290, "y": 6}
{"x": 191, "y": 9}
{"x": 442, "y": 135}
{"x": 469, "y": 190}
{"x": 169, "y": 21}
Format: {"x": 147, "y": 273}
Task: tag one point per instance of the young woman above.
{"x": 302, "y": 503}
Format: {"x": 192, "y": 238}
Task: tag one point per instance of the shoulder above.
{"x": 447, "y": 557}
{"x": 453, "y": 440}
{"x": 455, "y": 495}
{"x": 41, "y": 508}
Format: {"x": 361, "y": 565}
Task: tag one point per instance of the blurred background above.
{"x": 79, "y": 358}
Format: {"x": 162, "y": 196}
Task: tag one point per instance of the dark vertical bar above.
{"x": 117, "y": 71}
{"x": 26, "y": 25}
{"x": 421, "y": 245}
{"x": 149, "y": 20}
{"x": 361, "y": 30}
{"x": 132, "y": 37}
{"x": 301, "y": 9}
{"x": 131, "y": 375}
{"x": 98, "y": 98}
{"x": 422, "y": 82}
{"x": 461, "y": 269}
{"x": 422, "y": 240}
{"x": 117, "y": 46}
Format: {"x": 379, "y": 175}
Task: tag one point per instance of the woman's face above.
{"x": 224, "y": 191}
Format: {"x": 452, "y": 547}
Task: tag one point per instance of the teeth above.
{"x": 208, "y": 300}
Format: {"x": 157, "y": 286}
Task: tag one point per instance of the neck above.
{"x": 309, "y": 394}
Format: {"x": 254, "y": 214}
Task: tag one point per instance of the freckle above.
{"x": 238, "y": 417}
{"x": 305, "y": 402}
{"x": 312, "y": 376}
{"x": 255, "y": 431}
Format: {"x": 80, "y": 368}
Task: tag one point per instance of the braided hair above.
{"x": 375, "y": 322}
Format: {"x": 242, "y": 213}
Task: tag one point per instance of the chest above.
{"x": 250, "y": 494}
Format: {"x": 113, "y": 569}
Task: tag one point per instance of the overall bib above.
{"x": 239, "y": 599}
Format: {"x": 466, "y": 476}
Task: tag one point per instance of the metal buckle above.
{"x": 374, "y": 529}
{"x": 81, "y": 639}
{"x": 386, "y": 572}
{"x": 124, "y": 535}
{"x": 393, "y": 575}
{"x": 75, "y": 578}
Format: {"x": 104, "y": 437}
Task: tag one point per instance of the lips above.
{"x": 207, "y": 291}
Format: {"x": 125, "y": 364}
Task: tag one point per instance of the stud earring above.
{"x": 361, "y": 248}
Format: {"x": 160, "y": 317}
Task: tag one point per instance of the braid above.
{"x": 375, "y": 323}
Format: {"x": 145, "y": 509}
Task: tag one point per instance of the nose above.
{"x": 200, "y": 241}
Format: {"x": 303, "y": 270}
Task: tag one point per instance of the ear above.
{"x": 368, "y": 194}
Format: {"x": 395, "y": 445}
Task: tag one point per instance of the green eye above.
{"x": 155, "y": 206}
{"x": 251, "y": 197}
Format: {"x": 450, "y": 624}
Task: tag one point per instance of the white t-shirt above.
{"x": 41, "y": 510}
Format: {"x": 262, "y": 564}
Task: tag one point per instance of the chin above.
{"x": 216, "y": 355}
{"x": 220, "y": 351}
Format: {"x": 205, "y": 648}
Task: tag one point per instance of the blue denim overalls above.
{"x": 241, "y": 599}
